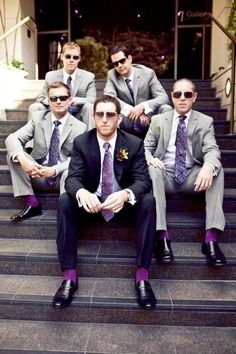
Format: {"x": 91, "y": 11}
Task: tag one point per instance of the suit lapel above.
{"x": 190, "y": 130}
{"x": 66, "y": 130}
{"x": 136, "y": 82}
{"x": 167, "y": 129}
{"x": 47, "y": 128}
{"x": 78, "y": 80}
{"x": 119, "y": 165}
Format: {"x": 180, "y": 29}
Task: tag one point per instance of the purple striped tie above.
{"x": 107, "y": 180}
{"x": 53, "y": 156}
{"x": 180, "y": 154}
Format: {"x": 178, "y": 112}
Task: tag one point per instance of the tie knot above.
{"x": 182, "y": 118}
{"x": 127, "y": 81}
{"x": 106, "y": 146}
{"x": 56, "y": 123}
{"x": 69, "y": 79}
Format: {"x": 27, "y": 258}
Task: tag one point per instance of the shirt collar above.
{"x": 62, "y": 120}
{"x": 112, "y": 142}
{"x": 176, "y": 114}
{"x": 131, "y": 76}
{"x": 66, "y": 75}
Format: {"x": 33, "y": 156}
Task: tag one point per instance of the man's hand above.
{"x": 145, "y": 121}
{"x": 89, "y": 201}
{"x": 136, "y": 112}
{"x": 30, "y": 167}
{"x": 47, "y": 171}
{"x": 115, "y": 201}
{"x": 204, "y": 179}
{"x": 155, "y": 162}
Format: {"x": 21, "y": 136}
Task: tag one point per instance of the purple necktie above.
{"x": 128, "y": 83}
{"x": 107, "y": 180}
{"x": 69, "y": 84}
{"x": 53, "y": 156}
{"x": 180, "y": 154}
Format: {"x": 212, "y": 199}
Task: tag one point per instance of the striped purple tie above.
{"x": 53, "y": 156}
{"x": 180, "y": 154}
{"x": 107, "y": 180}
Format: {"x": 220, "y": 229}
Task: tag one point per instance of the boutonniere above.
{"x": 122, "y": 154}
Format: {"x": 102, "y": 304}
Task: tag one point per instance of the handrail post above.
{"x": 232, "y": 91}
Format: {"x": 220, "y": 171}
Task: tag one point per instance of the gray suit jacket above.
{"x": 146, "y": 87}
{"x": 40, "y": 129}
{"x": 84, "y": 89}
{"x": 201, "y": 141}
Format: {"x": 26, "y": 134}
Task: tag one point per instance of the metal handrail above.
{"x": 233, "y": 41}
{"x": 14, "y": 28}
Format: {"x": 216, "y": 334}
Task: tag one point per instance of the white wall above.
{"x": 220, "y": 56}
{"x": 18, "y": 45}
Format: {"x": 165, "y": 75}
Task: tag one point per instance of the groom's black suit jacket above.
{"x": 85, "y": 164}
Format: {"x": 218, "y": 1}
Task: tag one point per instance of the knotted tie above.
{"x": 128, "y": 83}
{"x": 69, "y": 84}
{"x": 53, "y": 156}
{"x": 180, "y": 154}
{"x": 107, "y": 180}
{"x": 137, "y": 124}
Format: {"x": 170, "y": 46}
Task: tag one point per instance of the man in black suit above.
{"x": 85, "y": 184}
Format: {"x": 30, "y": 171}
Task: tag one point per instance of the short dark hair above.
{"x": 120, "y": 48}
{"x": 107, "y": 98}
{"x": 58, "y": 84}
{"x": 185, "y": 79}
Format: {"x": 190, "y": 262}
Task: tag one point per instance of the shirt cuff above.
{"x": 147, "y": 108}
{"x": 131, "y": 198}
{"x": 212, "y": 166}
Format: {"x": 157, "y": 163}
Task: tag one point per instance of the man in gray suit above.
{"x": 140, "y": 93}
{"x": 46, "y": 168}
{"x": 81, "y": 83}
{"x": 183, "y": 156}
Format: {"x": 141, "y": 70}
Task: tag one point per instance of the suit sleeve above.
{"x": 16, "y": 141}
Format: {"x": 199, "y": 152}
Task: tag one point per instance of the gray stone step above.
{"x": 111, "y": 259}
{"x": 113, "y": 300}
{"x": 183, "y": 227}
{"x": 181, "y": 203}
{"x": 230, "y": 176}
{"x": 56, "y": 337}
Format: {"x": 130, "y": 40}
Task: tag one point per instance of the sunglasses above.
{"x": 61, "y": 98}
{"x": 109, "y": 115}
{"x": 74, "y": 57}
{"x": 121, "y": 61}
{"x": 187, "y": 94}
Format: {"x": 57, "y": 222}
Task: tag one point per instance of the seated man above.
{"x": 46, "y": 168}
{"x": 108, "y": 177}
{"x": 80, "y": 82}
{"x": 139, "y": 91}
{"x": 183, "y": 156}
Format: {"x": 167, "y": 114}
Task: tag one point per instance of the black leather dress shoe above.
{"x": 213, "y": 253}
{"x": 64, "y": 294}
{"x": 27, "y": 212}
{"x": 145, "y": 296}
{"x": 163, "y": 251}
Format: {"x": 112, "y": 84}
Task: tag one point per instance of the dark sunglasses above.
{"x": 109, "y": 115}
{"x": 187, "y": 94}
{"x": 61, "y": 98}
{"x": 75, "y": 57}
{"x": 121, "y": 61}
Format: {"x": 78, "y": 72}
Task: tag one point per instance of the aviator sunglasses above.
{"x": 108, "y": 115}
{"x": 178, "y": 94}
{"x": 75, "y": 57}
{"x": 121, "y": 61}
{"x": 61, "y": 98}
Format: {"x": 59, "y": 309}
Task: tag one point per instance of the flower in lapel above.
{"x": 122, "y": 154}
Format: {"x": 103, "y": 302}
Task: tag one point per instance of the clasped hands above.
{"x": 92, "y": 204}
{"x": 138, "y": 112}
{"x": 204, "y": 178}
{"x": 35, "y": 170}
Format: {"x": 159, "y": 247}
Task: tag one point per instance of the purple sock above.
{"x": 141, "y": 274}
{"x": 70, "y": 274}
{"x": 162, "y": 234}
{"x": 32, "y": 200}
{"x": 211, "y": 235}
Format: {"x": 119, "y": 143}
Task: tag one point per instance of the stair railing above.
{"x": 233, "y": 41}
{"x": 14, "y": 28}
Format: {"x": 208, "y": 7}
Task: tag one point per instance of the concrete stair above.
{"x": 196, "y": 303}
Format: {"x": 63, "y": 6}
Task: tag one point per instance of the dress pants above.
{"x": 71, "y": 217}
{"x": 163, "y": 183}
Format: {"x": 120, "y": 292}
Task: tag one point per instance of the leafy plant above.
{"x": 231, "y": 25}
